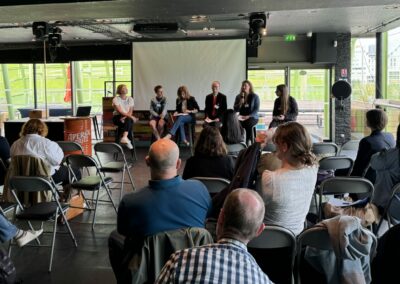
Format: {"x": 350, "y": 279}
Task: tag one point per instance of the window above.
{"x": 310, "y": 88}
{"x": 363, "y": 60}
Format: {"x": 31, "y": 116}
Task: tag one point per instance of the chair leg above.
{"x": 109, "y": 195}
{"x": 191, "y": 140}
{"x": 130, "y": 178}
{"x": 122, "y": 184}
{"x": 53, "y": 240}
{"x": 68, "y": 227}
{"x": 95, "y": 210}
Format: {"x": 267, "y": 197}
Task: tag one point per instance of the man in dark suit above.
{"x": 215, "y": 106}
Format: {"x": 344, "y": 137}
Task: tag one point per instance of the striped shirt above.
{"x": 227, "y": 261}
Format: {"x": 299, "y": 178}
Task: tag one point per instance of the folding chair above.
{"x": 114, "y": 166}
{"x": 234, "y": 149}
{"x": 5, "y": 207}
{"x": 392, "y": 210}
{"x": 44, "y": 211}
{"x": 214, "y": 185}
{"x": 70, "y": 147}
{"x": 350, "y": 148}
{"x": 342, "y": 185}
{"x": 91, "y": 182}
{"x": 318, "y": 237}
{"x": 268, "y": 248}
{"x": 325, "y": 149}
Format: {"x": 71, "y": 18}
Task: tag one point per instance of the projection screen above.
{"x": 194, "y": 64}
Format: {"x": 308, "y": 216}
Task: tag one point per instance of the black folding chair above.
{"x": 91, "y": 183}
{"x": 43, "y": 211}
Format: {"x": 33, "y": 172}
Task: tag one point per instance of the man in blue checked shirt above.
{"x": 227, "y": 261}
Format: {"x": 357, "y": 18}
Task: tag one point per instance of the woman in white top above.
{"x": 287, "y": 192}
{"x": 33, "y": 142}
{"x": 122, "y": 115}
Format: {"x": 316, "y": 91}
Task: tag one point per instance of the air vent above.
{"x": 156, "y": 28}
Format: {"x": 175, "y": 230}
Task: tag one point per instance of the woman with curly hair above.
{"x": 210, "y": 157}
{"x": 287, "y": 192}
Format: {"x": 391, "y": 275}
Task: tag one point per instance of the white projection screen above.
{"x": 194, "y": 64}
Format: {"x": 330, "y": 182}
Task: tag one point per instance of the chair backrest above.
{"x": 214, "y": 185}
{"x": 70, "y": 146}
{"x": 234, "y": 149}
{"x": 342, "y": 185}
{"x": 392, "y": 210}
{"x": 336, "y": 163}
{"x": 30, "y": 184}
{"x": 325, "y": 149}
{"x": 83, "y": 110}
{"x": 351, "y": 145}
{"x": 108, "y": 147}
{"x": 268, "y": 249}
{"x": 158, "y": 248}
{"x": 81, "y": 161}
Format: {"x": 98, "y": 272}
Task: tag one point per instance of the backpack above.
{"x": 7, "y": 269}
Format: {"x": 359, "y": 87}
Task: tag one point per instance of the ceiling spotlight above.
{"x": 40, "y": 29}
{"x": 257, "y": 28}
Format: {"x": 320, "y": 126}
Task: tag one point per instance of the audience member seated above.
{"x": 287, "y": 192}
{"x": 8, "y": 231}
{"x": 122, "y": 115}
{"x": 387, "y": 166}
{"x": 33, "y": 142}
{"x": 168, "y": 202}
{"x": 4, "y": 156}
{"x": 227, "y": 261}
{"x": 232, "y": 131}
{"x": 158, "y": 112}
{"x": 376, "y": 119}
{"x": 210, "y": 157}
{"x": 247, "y": 103}
{"x": 268, "y": 161}
{"x": 186, "y": 107}
{"x": 215, "y": 106}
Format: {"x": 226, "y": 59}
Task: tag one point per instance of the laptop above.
{"x": 83, "y": 111}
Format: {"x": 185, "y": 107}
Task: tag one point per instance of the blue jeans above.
{"x": 7, "y": 230}
{"x": 180, "y": 124}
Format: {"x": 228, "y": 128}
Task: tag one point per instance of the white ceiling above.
{"x": 112, "y": 21}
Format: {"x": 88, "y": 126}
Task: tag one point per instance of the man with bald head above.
{"x": 168, "y": 202}
{"x": 227, "y": 261}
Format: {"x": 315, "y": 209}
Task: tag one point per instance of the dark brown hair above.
{"x": 284, "y": 97}
{"x": 232, "y": 131}
{"x": 210, "y": 143}
{"x": 298, "y": 141}
{"x": 156, "y": 88}
{"x": 34, "y": 126}
{"x": 376, "y": 119}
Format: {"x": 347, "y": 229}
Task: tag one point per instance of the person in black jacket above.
{"x": 374, "y": 143}
{"x": 186, "y": 107}
{"x": 215, "y": 106}
{"x": 285, "y": 107}
{"x": 210, "y": 157}
{"x": 247, "y": 103}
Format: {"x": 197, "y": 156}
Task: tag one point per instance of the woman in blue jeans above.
{"x": 9, "y": 231}
{"x": 186, "y": 107}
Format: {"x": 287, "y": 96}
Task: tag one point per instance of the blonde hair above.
{"x": 119, "y": 88}
{"x": 298, "y": 142}
{"x": 183, "y": 89}
{"x": 34, "y": 126}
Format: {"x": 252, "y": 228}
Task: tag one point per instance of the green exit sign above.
{"x": 290, "y": 37}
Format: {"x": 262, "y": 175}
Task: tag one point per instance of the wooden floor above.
{"x": 88, "y": 263}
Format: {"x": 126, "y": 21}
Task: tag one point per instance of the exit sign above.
{"x": 290, "y": 37}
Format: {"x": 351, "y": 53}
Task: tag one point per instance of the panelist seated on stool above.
{"x": 122, "y": 115}
{"x": 215, "y": 106}
{"x": 186, "y": 107}
{"x": 158, "y": 112}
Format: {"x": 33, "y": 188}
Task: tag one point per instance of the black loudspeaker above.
{"x": 323, "y": 48}
{"x": 251, "y": 51}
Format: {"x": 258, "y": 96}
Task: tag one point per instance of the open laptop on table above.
{"x": 83, "y": 111}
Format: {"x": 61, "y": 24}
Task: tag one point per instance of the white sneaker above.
{"x": 124, "y": 140}
{"x": 27, "y": 236}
